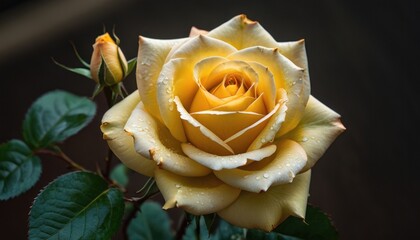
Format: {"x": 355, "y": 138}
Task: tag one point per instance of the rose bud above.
{"x": 108, "y": 65}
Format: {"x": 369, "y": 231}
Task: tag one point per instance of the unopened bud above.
{"x": 108, "y": 65}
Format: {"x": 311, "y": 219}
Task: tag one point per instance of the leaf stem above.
{"x": 64, "y": 157}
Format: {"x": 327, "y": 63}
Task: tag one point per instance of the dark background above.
{"x": 363, "y": 60}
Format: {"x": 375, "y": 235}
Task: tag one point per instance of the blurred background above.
{"x": 363, "y": 61}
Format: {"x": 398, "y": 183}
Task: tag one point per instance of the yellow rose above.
{"x": 108, "y": 64}
{"x": 228, "y": 120}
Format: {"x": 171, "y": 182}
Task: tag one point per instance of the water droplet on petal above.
{"x": 266, "y": 175}
{"x": 304, "y": 139}
{"x": 177, "y": 186}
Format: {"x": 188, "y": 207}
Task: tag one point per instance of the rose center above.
{"x": 231, "y": 84}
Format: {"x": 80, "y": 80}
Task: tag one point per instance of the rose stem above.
{"x": 64, "y": 157}
{"x": 182, "y": 225}
{"x": 108, "y": 159}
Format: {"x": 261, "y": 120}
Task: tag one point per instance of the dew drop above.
{"x": 246, "y": 176}
{"x": 177, "y": 186}
{"x": 171, "y": 107}
{"x": 263, "y": 140}
{"x": 258, "y": 178}
{"x": 266, "y": 175}
{"x": 304, "y": 139}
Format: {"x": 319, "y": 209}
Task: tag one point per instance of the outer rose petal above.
{"x": 226, "y": 162}
{"x": 241, "y": 33}
{"x": 267, "y": 210}
{"x": 259, "y": 176}
{"x": 119, "y": 141}
{"x": 199, "y": 195}
{"x": 151, "y": 57}
{"x": 153, "y": 140}
{"x": 316, "y": 131}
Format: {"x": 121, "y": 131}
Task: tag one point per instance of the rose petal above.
{"x": 224, "y": 124}
{"x": 174, "y": 78}
{"x": 199, "y": 135}
{"x": 257, "y": 106}
{"x": 258, "y": 177}
{"x": 238, "y": 67}
{"x": 241, "y": 33}
{"x": 200, "y": 47}
{"x": 153, "y": 140}
{"x": 203, "y": 100}
{"x": 316, "y": 131}
{"x": 151, "y": 57}
{"x": 266, "y": 86}
{"x": 120, "y": 142}
{"x": 216, "y": 162}
{"x": 239, "y": 104}
{"x": 198, "y": 195}
{"x": 286, "y": 75}
{"x": 268, "y": 209}
{"x": 277, "y": 116}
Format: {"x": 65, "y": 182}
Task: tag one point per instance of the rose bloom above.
{"x": 224, "y": 122}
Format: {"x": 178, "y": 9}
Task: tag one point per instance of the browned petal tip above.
{"x": 105, "y": 137}
{"x": 246, "y": 20}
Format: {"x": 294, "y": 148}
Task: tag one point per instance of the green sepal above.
{"x": 81, "y": 71}
{"x": 78, "y": 56}
{"x": 149, "y": 189}
{"x": 131, "y": 65}
{"x": 20, "y": 169}
{"x": 98, "y": 89}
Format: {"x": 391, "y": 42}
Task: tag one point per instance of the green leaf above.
{"x": 224, "y": 230}
{"x": 56, "y": 116}
{"x": 77, "y": 205}
{"x": 317, "y": 226}
{"x": 119, "y": 175}
{"x": 19, "y": 169}
{"x": 150, "y": 223}
{"x": 81, "y": 71}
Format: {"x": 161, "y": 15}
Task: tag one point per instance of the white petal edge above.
{"x": 267, "y": 210}
{"x": 216, "y": 162}
{"x": 258, "y": 177}
{"x": 152, "y": 140}
{"x": 198, "y": 195}
{"x": 120, "y": 142}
